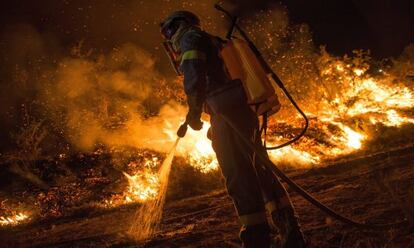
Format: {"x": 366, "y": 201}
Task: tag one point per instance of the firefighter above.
{"x": 206, "y": 83}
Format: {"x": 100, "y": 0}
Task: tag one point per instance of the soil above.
{"x": 375, "y": 189}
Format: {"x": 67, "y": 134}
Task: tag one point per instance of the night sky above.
{"x": 384, "y": 26}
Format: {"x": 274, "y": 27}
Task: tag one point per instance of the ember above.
{"x": 372, "y": 100}
{"x": 119, "y": 99}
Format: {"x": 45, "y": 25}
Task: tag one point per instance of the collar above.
{"x": 182, "y": 30}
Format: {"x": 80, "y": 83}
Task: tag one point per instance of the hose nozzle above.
{"x": 182, "y": 130}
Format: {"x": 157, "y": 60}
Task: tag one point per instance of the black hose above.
{"x": 305, "y": 128}
{"x": 269, "y": 165}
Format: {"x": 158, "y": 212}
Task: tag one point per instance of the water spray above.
{"x": 148, "y": 216}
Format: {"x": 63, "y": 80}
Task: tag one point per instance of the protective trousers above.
{"x": 251, "y": 187}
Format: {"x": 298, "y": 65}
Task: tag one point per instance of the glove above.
{"x": 194, "y": 121}
{"x": 194, "y": 112}
{"x": 182, "y": 130}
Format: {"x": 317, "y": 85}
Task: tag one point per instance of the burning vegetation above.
{"x": 362, "y": 107}
{"x": 96, "y": 131}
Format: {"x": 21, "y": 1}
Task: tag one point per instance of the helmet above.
{"x": 170, "y": 25}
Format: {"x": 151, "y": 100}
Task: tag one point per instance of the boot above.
{"x": 257, "y": 236}
{"x": 290, "y": 234}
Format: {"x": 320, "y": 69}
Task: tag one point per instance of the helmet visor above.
{"x": 168, "y": 30}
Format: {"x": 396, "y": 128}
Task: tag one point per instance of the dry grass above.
{"x": 29, "y": 150}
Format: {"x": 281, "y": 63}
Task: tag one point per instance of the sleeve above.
{"x": 193, "y": 67}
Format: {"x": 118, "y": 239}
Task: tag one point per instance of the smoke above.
{"x": 24, "y": 55}
{"x": 99, "y": 95}
{"x": 104, "y": 80}
{"x": 90, "y": 95}
{"x": 118, "y": 98}
{"x": 91, "y": 85}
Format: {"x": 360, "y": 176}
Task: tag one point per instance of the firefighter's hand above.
{"x": 194, "y": 121}
{"x": 182, "y": 130}
{"x": 194, "y": 112}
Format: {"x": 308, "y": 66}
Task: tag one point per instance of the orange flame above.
{"x": 374, "y": 99}
{"x": 15, "y": 219}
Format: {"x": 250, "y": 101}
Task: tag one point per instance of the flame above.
{"x": 394, "y": 119}
{"x": 142, "y": 186}
{"x": 358, "y": 71}
{"x": 15, "y": 219}
{"x": 371, "y": 100}
{"x": 198, "y": 150}
{"x": 367, "y": 95}
{"x": 353, "y": 139}
{"x": 374, "y": 100}
{"x": 349, "y": 138}
{"x": 293, "y": 156}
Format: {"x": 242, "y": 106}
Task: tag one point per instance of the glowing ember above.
{"x": 361, "y": 100}
{"x": 13, "y": 220}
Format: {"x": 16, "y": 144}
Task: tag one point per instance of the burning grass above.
{"x": 13, "y": 219}
{"x": 125, "y": 114}
{"x": 344, "y": 125}
{"x": 12, "y": 216}
{"x": 148, "y": 216}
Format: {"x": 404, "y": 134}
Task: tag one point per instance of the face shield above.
{"x": 169, "y": 28}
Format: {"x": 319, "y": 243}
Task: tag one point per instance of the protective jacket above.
{"x": 206, "y": 81}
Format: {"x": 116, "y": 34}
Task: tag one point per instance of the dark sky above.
{"x": 384, "y": 26}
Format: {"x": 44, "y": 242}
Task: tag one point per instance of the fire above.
{"x": 293, "y": 156}
{"x": 142, "y": 186}
{"x": 362, "y": 94}
{"x": 353, "y": 138}
{"x": 349, "y": 139}
{"x": 15, "y": 219}
{"x": 351, "y": 103}
{"x": 361, "y": 100}
{"x": 371, "y": 100}
{"x": 394, "y": 119}
{"x": 197, "y": 148}
{"x": 377, "y": 97}
{"x": 358, "y": 71}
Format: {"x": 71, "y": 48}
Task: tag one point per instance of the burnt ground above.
{"x": 376, "y": 189}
